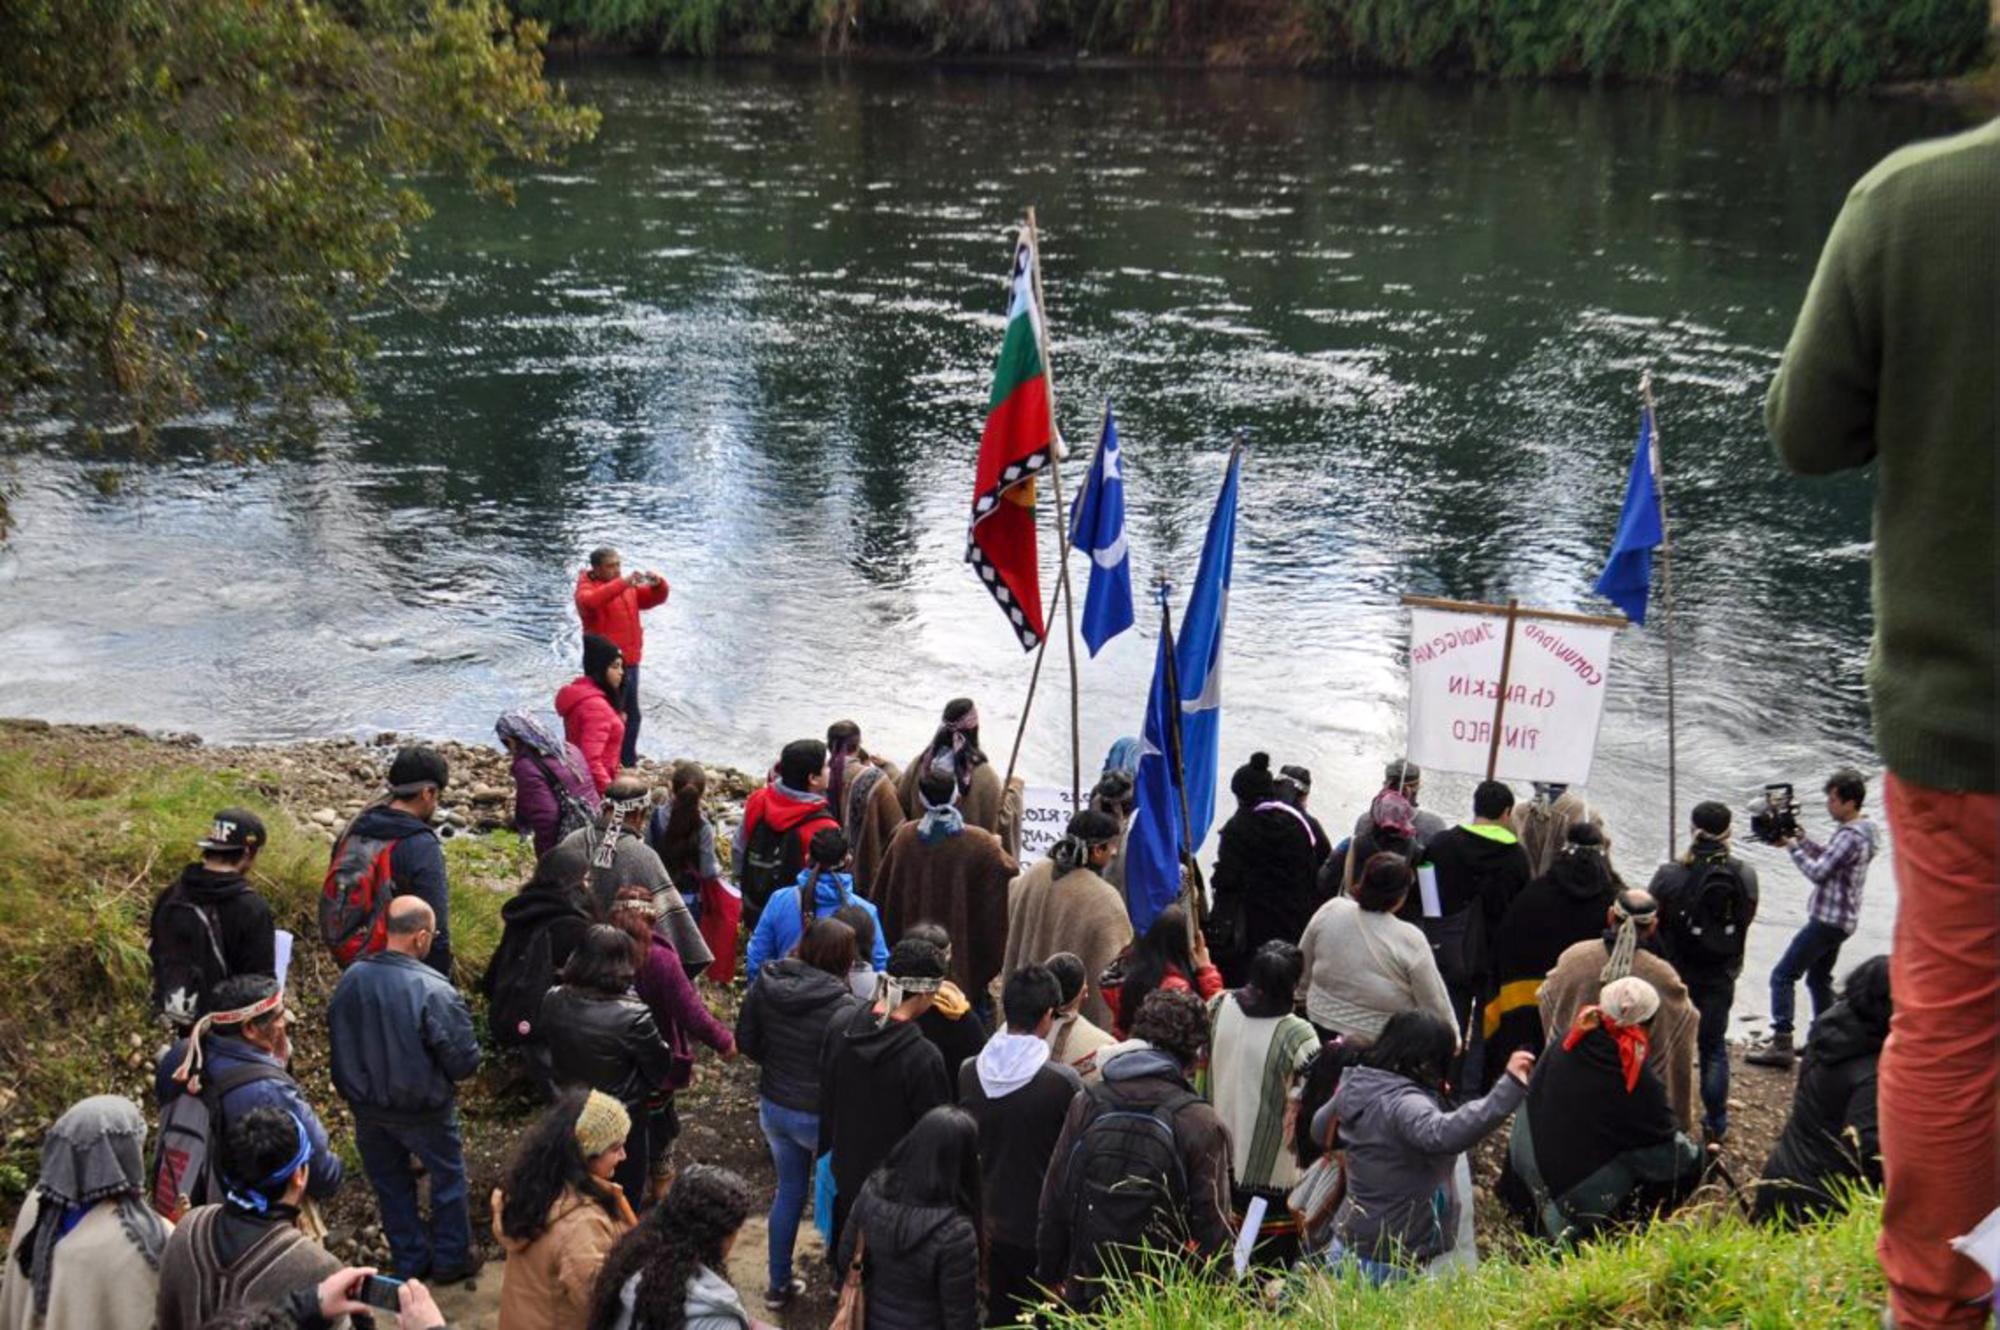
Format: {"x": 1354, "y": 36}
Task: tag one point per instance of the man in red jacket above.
{"x": 608, "y": 600}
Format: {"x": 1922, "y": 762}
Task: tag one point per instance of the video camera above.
{"x": 1774, "y": 819}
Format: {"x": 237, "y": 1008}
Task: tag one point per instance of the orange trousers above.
{"x": 1939, "y": 1083}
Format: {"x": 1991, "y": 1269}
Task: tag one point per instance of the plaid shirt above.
{"x": 1837, "y": 871}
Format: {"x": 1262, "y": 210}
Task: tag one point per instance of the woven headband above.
{"x": 189, "y": 1071}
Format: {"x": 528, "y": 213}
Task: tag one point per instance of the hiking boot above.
{"x": 470, "y": 1270}
{"x": 1776, "y": 1052}
{"x": 777, "y": 1299}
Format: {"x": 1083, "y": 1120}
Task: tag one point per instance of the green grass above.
{"x": 1699, "y": 1271}
{"x": 86, "y": 843}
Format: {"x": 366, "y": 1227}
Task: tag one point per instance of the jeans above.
{"x": 794, "y": 1137}
{"x": 1939, "y": 1087}
{"x": 1713, "y": 996}
{"x": 629, "y": 704}
{"x": 386, "y": 1148}
{"x": 1812, "y": 954}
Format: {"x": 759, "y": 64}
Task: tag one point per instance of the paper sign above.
{"x": 1246, "y": 1237}
{"x": 283, "y": 955}
{"x": 1555, "y": 694}
{"x": 1427, "y": 888}
{"x": 1045, "y": 815}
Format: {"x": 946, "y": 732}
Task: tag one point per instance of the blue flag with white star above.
{"x": 1097, "y": 528}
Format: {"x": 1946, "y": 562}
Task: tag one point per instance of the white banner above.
{"x": 1555, "y": 694}
{"x": 1045, "y": 814}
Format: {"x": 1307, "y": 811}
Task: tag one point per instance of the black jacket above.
{"x": 206, "y": 927}
{"x": 401, "y": 1038}
{"x": 1670, "y": 883}
{"x": 920, "y": 1267}
{"x": 957, "y": 1039}
{"x": 559, "y": 911}
{"x": 1017, "y": 1138}
{"x": 607, "y": 1043}
{"x": 782, "y": 1028}
{"x": 876, "y": 1079}
{"x": 1475, "y": 871}
{"x": 1832, "y": 1132}
{"x": 1565, "y": 905}
{"x": 1266, "y": 875}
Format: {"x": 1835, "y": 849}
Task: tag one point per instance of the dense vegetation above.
{"x": 1704, "y": 1270}
{"x": 1802, "y": 43}
{"x": 197, "y": 195}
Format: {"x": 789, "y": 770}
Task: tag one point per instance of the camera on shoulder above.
{"x": 1774, "y": 819}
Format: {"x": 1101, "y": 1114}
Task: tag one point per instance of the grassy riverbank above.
{"x": 1705, "y": 1271}
{"x": 1792, "y": 43}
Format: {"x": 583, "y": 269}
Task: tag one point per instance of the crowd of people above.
{"x": 1001, "y": 1087}
{"x": 982, "y": 1081}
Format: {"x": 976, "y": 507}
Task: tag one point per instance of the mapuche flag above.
{"x": 1018, "y": 443}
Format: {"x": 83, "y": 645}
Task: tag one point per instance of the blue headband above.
{"x": 254, "y": 1199}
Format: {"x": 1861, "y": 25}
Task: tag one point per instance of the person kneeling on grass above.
{"x": 1401, "y": 1211}
{"x": 1596, "y": 1143}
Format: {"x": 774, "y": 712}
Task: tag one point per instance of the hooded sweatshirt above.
{"x": 921, "y": 1264}
{"x": 1400, "y": 1146}
{"x": 1562, "y": 907}
{"x": 207, "y": 926}
{"x": 783, "y": 1028}
{"x": 1019, "y": 1098}
{"x": 592, "y": 723}
{"x": 782, "y": 923}
{"x": 1832, "y": 1134}
{"x": 1480, "y": 869}
{"x": 877, "y": 1078}
{"x": 417, "y": 867}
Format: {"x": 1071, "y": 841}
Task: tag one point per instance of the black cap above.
{"x": 416, "y": 767}
{"x": 234, "y": 829}
{"x": 1711, "y": 817}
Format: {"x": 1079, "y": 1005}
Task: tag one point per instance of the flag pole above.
{"x": 1187, "y": 871}
{"x": 1667, "y": 597}
{"x": 1062, "y": 592}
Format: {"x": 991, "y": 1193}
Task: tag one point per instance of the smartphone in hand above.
{"x": 380, "y": 1292}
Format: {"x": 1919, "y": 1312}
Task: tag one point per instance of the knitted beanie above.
{"x": 602, "y": 1124}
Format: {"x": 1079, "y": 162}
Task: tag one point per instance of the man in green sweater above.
{"x": 1896, "y": 360}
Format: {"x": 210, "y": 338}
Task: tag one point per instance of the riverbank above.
{"x": 95, "y": 820}
{"x": 1768, "y": 43}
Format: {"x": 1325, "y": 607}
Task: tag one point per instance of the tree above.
{"x": 197, "y": 195}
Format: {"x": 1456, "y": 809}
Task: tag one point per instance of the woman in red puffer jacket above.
{"x": 588, "y": 705}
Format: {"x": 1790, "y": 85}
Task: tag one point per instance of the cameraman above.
{"x": 1837, "y": 871}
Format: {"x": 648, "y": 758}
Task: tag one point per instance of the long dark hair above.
{"x": 843, "y": 740}
{"x": 602, "y": 961}
{"x": 965, "y": 760}
{"x": 685, "y": 1231}
{"x": 936, "y": 1163}
{"x": 1163, "y": 945}
{"x": 828, "y": 855}
{"x": 546, "y": 1162}
{"x": 1275, "y": 972}
{"x": 1415, "y": 1045}
{"x": 680, "y": 840}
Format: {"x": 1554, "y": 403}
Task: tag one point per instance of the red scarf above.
{"x": 1631, "y": 1040}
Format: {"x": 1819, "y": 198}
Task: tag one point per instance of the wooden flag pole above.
{"x": 1062, "y": 592}
{"x": 1667, "y": 597}
{"x": 1500, "y": 695}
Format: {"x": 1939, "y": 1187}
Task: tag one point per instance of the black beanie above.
{"x": 1252, "y": 782}
{"x": 1711, "y": 817}
{"x": 598, "y": 653}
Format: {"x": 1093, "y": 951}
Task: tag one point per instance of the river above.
{"x": 747, "y": 337}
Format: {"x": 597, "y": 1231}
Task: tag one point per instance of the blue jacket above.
{"x": 781, "y": 925}
{"x": 401, "y": 1038}
{"x": 418, "y": 865}
{"x": 222, "y": 1054}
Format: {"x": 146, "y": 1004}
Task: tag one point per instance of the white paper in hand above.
{"x": 1982, "y": 1245}
{"x": 1246, "y": 1237}
{"x": 282, "y": 955}
{"x": 1427, "y": 888}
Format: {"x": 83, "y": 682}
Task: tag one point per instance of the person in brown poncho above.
{"x": 1630, "y": 947}
{"x": 861, "y": 789}
{"x": 942, "y": 869}
{"x": 982, "y": 801}
{"x": 1064, "y": 904}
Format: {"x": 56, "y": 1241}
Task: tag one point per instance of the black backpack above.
{"x": 774, "y": 859}
{"x": 1126, "y": 1188}
{"x": 185, "y": 1164}
{"x": 522, "y": 971}
{"x": 1712, "y": 917}
{"x": 573, "y": 814}
{"x": 188, "y": 961}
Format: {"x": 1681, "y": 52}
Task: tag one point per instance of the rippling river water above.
{"x": 747, "y": 337}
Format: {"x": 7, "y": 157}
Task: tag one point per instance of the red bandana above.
{"x": 1631, "y": 1040}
